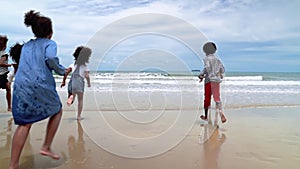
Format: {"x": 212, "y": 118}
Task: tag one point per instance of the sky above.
{"x": 251, "y": 35}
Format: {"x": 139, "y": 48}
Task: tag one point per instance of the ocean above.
{"x": 159, "y": 90}
{"x": 147, "y": 91}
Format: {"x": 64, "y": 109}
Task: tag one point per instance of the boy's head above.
{"x": 82, "y": 55}
{"x": 3, "y": 42}
{"x": 209, "y": 48}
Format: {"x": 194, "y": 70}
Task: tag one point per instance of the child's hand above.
{"x": 62, "y": 84}
{"x": 68, "y": 70}
{"x": 15, "y": 65}
{"x": 220, "y": 75}
{"x": 201, "y": 78}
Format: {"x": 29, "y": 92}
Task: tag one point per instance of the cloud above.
{"x": 240, "y": 28}
{"x": 245, "y": 20}
{"x": 150, "y": 50}
{"x": 158, "y": 31}
{"x": 12, "y": 17}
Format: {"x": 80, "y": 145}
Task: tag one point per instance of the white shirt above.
{"x": 82, "y": 69}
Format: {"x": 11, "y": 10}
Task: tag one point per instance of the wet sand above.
{"x": 260, "y": 138}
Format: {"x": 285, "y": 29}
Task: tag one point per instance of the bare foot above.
{"x": 14, "y": 166}
{"x": 203, "y": 117}
{"x": 223, "y": 118}
{"x": 70, "y": 100}
{"x": 9, "y": 109}
{"x": 49, "y": 153}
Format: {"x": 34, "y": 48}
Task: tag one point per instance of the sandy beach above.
{"x": 149, "y": 122}
{"x": 261, "y": 138}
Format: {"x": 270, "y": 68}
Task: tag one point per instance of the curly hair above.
{"x": 209, "y": 48}
{"x": 3, "y": 41}
{"x": 15, "y": 52}
{"x": 41, "y": 26}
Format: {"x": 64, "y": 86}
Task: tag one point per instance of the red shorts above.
{"x": 211, "y": 88}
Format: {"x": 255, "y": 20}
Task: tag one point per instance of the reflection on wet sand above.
{"x": 77, "y": 152}
{"x": 5, "y": 150}
{"x": 29, "y": 159}
{"x": 238, "y": 149}
{"x": 212, "y": 146}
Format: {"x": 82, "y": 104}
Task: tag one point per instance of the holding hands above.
{"x": 68, "y": 70}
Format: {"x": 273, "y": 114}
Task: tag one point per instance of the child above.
{"x": 4, "y": 84}
{"x": 213, "y": 73}
{"x": 79, "y": 72}
{"x": 14, "y": 52}
{"x": 35, "y": 97}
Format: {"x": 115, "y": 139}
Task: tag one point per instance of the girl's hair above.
{"x": 3, "y": 41}
{"x": 41, "y": 26}
{"x": 82, "y": 55}
{"x": 15, "y": 52}
{"x": 209, "y": 48}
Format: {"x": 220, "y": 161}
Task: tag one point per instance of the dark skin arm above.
{"x": 201, "y": 77}
{"x": 68, "y": 70}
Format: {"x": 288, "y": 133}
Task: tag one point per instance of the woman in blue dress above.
{"x": 35, "y": 97}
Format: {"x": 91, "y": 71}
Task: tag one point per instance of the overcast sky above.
{"x": 251, "y": 35}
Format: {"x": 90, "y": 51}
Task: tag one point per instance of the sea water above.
{"x": 157, "y": 90}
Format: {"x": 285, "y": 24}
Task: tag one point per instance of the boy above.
{"x": 213, "y": 73}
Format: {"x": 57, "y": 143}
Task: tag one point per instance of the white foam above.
{"x": 162, "y": 82}
{"x": 244, "y": 78}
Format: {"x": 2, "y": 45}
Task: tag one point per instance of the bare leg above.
{"x": 70, "y": 100}
{"x": 80, "y": 105}
{"x": 52, "y": 127}
{"x": 219, "y": 107}
{"x": 19, "y": 139}
{"x": 216, "y": 118}
{"x": 209, "y": 117}
{"x": 8, "y": 96}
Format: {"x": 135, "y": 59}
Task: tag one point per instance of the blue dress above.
{"x": 34, "y": 92}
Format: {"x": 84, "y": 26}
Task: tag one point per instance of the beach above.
{"x": 155, "y": 124}
{"x": 262, "y": 138}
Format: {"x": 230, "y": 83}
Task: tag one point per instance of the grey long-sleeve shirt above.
{"x": 213, "y": 69}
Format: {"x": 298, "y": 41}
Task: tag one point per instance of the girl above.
{"x": 80, "y": 71}
{"x": 14, "y": 52}
{"x": 35, "y": 97}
